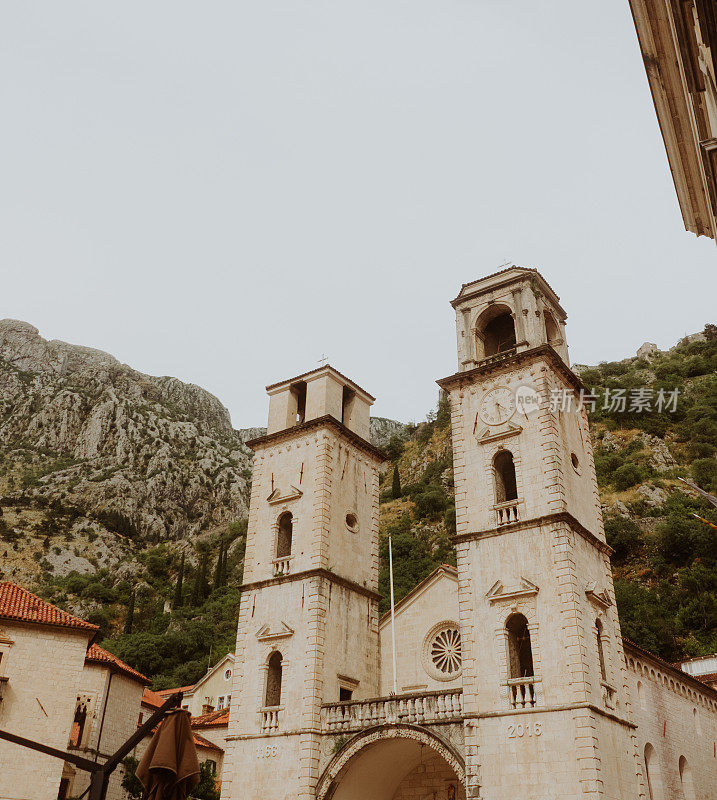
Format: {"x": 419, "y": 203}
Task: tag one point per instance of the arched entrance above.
{"x": 394, "y": 762}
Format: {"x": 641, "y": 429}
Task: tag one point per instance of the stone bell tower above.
{"x": 308, "y": 618}
{"x": 545, "y": 685}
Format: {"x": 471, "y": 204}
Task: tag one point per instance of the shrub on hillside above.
{"x": 623, "y": 535}
{"x": 626, "y": 476}
{"x": 704, "y": 472}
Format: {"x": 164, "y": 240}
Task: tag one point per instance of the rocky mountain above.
{"x": 96, "y": 458}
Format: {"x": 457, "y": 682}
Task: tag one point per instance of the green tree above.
{"x": 623, "y": 535}
{"x": 206, "y": 789}
{"x": 396, "y": 483}
{"x": 178, "y": 590}
{"x": 129, "y": 619}
{"x": 130, "y": 781}
{"x": 218, "y": 568}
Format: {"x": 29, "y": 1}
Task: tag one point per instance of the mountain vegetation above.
{"x": 123, "y": 498}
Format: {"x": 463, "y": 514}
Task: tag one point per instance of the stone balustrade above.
{"x": 423, "y": 708}
{"x": 521, "y": 692}
{"x": 270, "y": 719}
{"x": 507, "y": 512}
{"x": 282, "y": 566}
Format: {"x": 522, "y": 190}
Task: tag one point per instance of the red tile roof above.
{"x": 152, "y": 699}
{"x": 165, "y": 693}
{"x": 200, "y": 741}
{"x": 220, "y": 717}
{"x": 18, "y": 604}
{"x": 97, "y": 655}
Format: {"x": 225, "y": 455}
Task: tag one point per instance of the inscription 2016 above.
{"x": 520, "y": 730}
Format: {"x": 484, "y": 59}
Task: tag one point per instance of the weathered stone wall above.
{"x": 678, "y": 718}
{"x": 44, "y": 667}
{"x": 430, "y": 779}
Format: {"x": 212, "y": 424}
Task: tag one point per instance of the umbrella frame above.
{"x": 100, "y": 773}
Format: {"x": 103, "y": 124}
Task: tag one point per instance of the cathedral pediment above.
{"x": 599, "y": 598}
{"x": 499, "y": 593}
{"x": 283, "y": 496}
{"x": 272, "y": 631}
{"x": 488, "y": 435}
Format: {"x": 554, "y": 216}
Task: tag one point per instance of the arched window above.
{"x": 652, "y": 772}
{"x": 552, "y": 331}
{"x": 273, "y": 680}
{"x": 505, "y": 483}
{"x": 520, "y": 651}
{"x": 601, "y": 652}
{"x": 688, "y": 787}
{"x": 494, "y": 331}
{"x": 498, "y": 335}
{"x": 283, "y": 540}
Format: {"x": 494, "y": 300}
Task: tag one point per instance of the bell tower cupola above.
{"x": 510, "y": 311}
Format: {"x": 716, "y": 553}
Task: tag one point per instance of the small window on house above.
{"x": 227, "y": 674}
{"x": 299, "y": 391}
{"x": 78, "y": 725}
{"x": 347, "y": 402}
{"x": 520, "y": 651}
{"x": 273, "y": 680}
{"x": 345, "y": 695}
{"x": 220, "y": 702}
{"x": 286, "y": 530}
{"x": 505, "y": 483}
{"x": 352, "y": 522}
{"x": 499, "y": 335}
{"x": 600, "y": 650}
{"x": 212, "y": 766}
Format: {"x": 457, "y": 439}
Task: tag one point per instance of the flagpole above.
{"x": 393, "y": 613}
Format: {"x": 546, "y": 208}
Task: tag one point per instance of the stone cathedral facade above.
{"x": 513, "y": 679}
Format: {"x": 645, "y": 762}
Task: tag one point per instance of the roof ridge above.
{"x": 20, "y": 605}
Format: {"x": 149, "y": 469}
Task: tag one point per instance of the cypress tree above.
{"x": 196, "y": 589}
{"x": 203, "y": 582}
{"x": 396, "y": 487}
{"x": 178, "y": 591}
{"x": 129, "y": 621}
{"x": 218, "y": 569}
{"x": 225, "y": 564}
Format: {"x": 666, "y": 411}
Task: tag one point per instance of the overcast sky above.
{"x": 225, "y": 191}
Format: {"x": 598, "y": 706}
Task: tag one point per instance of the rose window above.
{"x": 442, "y": 652}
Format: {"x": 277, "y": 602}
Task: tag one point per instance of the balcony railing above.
{"x": 506, "y": 513}
{"x": 521, "y": 692}
{"x": 282, "y": 566}
{"x": 423, "y": 708}
{"x": 270, "y": 718}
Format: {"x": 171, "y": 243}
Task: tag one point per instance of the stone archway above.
{"x": 390, "y": 762}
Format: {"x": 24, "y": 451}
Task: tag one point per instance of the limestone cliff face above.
{"x": 154, "y": 458}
